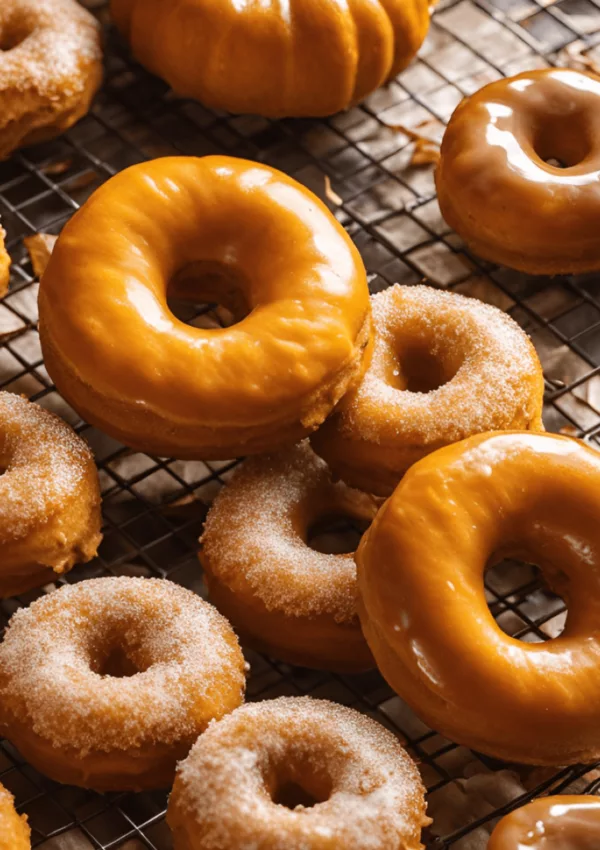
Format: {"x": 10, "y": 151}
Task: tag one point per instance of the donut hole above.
{"x": 563, "y": 142}
{"x": 421, "y": 369}
{"x": 335, "y": 534}
{"x": 299, "y": 782}
{"x": 527, "y": 601}
{"x": 115, "y": 662}
{"x": 13, "y": 34}
{"x": 208, "y": 295}
{"x": 292, "y": 795}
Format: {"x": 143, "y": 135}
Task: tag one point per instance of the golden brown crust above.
{"x": 14, "y": 829}
{"x": 503, "y": 143}
{"x": 444, "y": 367}
{"x": 281, "y": 595}
{"x": 49, "y": 73}
{"x": 4, "y": 264}
{"x": 107, "y": 684}
{"x": 361, "y": 778}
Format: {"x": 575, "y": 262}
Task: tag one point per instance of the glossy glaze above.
{"x": 424, "y": 612}
{"x": 550, "y": 823}
{"x": 218, "y": 229}
{"x": 495, "y": 187}
{"x": 294, "y": 57}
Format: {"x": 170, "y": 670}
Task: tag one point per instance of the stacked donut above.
{"x": 413, "y": 413}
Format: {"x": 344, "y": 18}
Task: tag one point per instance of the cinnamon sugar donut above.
{"x": 444, "y": 367}
{"x": 283, "y": 597}
{"x": 49, "y": 497}
{"x": 14, "y": 830}
{"x": 107, "y": 684}
{"x": 519, "y": 169}
{"x": 50, "y": 69}
{"x": 560, "y": 822}
{"x": 4, "y": 264}
{"x": 244, "y": 782}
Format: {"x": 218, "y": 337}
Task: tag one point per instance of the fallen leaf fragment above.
{"x": 4, "y": 265}
{"x": 55, "y": 169}
{"x": 330, "y": 194}
{"x": 39, "y": 247}
{"x": 426, "y": 150}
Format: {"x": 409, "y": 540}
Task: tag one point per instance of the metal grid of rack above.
{"x": 154, "y": 507}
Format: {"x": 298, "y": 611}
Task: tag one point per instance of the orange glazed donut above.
{"x": 14, "y": 831}
{"x": 214, "y": 228}
{"x": 107, "y": 684}
{"x": 499, "y": 185}
{"x": 444, "y": 367}
{"x": 50, "y": 69}
{"x": 283, "y": 597}
{"x": 298, "y": 58}
{"x": 297, "y": 773}
{"x": 550, "y": 823}
{"x": 516, "y": 494}
{"x": 49, "y": 497}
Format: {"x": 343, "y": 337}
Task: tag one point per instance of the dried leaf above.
{"x": 569, "y": 431}
{"x": 39, "y": 247}
{"x": 4, "y": 265}
{"x": 55, "y": 169}
{"x": 426, "y": 150}
{"x": 330, "y": 194}
{"x": 83, "y": 181}
{"x": 186, "y": 506}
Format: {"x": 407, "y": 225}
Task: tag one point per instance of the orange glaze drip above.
{"x": 550, "y": 823}
{"x": 531, "y": 496}
{"x": 543, "y": 219}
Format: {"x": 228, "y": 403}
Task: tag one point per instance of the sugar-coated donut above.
{"x": 244, "y": 783}
{"x": 49, "y": 497}
{"x": 14, "y": 829}
{"x": 299, "y": 58}
{"x": 530, "y": 144}
{"x": 444, "y": 367}
{"x": 283, "y": 597}
{"x": 107, "y": 684}
{"x": 515, "y": 494}
{"x": 4, "y": 264}
{"x": 221, "y": 229}
{"x": 50, "y": 69}
{"x": 550, "y": 823}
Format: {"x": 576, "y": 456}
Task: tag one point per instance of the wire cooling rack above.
{"x": 154, "y": 507}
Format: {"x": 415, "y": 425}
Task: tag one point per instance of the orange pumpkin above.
{"x": 274, "y": 57}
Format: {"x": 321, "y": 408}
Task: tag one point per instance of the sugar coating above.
{"x": 14, "y": 831}
{"x": 191, "y": 664}
{"x": 223, "y": 792}
{"x": 47, "y": 467}
{"x": 255, "y": 535}
{"x": 44, "y": 77}
{"x": 497, "y": 385}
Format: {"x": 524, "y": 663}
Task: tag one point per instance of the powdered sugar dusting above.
{"x": 192, "y": 669}
{"x": 255, "y": 535}
{"x": 497, "y": 384}
{"x": 223, "y": 790}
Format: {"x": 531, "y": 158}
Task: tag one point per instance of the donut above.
{"x": 4, "y": 264}
{"x": 49, "y": 497}
{"x": 444, "y": 367}
{"x": 106, "y": 684}
{"x": 215, "y": 228}
{"x": 50, "y": 69}
{"x": 297, "y": 772}
{"x": 550, "y": 823}
{"x": 514, "y": 494}
{"x": 302, "y": 58}
{"x": 14, "y": 830}
{"x": 285, "y": 598}
{"x": 530, "y": 143}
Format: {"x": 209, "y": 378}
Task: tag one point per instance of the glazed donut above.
{"x": 214, "y": 228}
{"x": 50, "y": 69}
{"x": 503, "y": 143}
{"x": 14, "y": 830}
{"x": 444, "y": 367}
{"x": 515, "y": 494}
{"x": 4, "y": 264}
{"x": 302, "y": 58}
{"x": 49, "y": 497}
{"x": 283, "y": 597}
{"x": 245, "y": 781}
{"x": 106, "y": 684}
{"x": 550, "y": 823}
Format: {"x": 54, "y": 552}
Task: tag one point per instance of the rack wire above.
{"x": 154, "y": 507}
